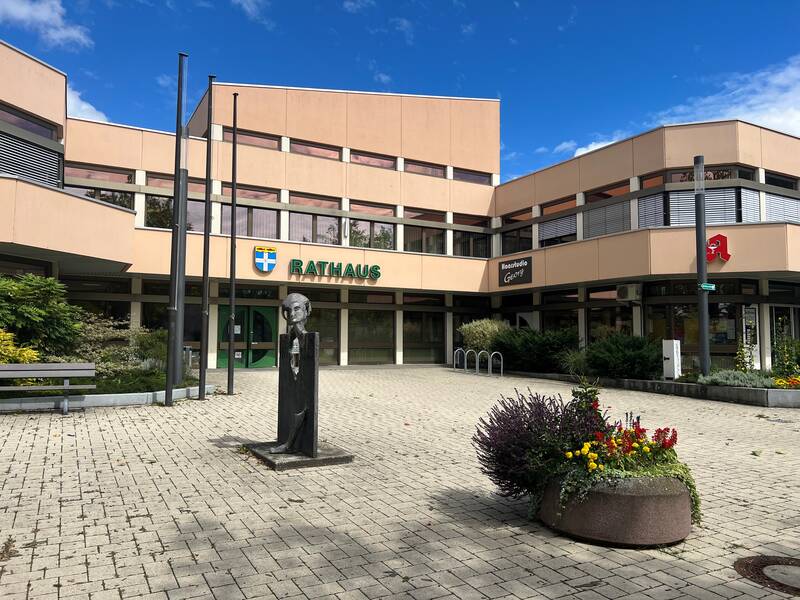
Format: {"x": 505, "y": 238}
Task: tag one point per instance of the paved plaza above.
{"x": 162, "y": 503}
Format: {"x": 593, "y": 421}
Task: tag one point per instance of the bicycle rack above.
{"x": 478, "y": 362}
{"x": 491, "y": 358}
{"x": 455, "y": 357}
{"x": 466, "y": 358}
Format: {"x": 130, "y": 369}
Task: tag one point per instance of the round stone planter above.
{"x": 635, "y": 512}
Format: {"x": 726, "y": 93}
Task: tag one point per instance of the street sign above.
{"x": 708, "y": 287}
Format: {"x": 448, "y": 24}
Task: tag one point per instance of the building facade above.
{"x": 387, "y": 212}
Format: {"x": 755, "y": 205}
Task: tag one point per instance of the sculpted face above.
{"x": 296, "y": 309}
{"x": 297, "y": 312}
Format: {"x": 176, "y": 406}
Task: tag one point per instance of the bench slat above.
{"x": 43, "y": 388}
{"x": 48, "y": 366}
{"x": 59, "y": 374}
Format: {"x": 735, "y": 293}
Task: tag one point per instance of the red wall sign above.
{"x": 717, "y": 245}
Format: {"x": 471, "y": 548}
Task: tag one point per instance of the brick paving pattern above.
{"x": 158, "y": 503}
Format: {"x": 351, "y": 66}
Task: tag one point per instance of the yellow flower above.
{"x": 592, "y": 466}
{"x": 635, "y": 445}
{"x": 592, "y": 456}
{"x": 569, "y": 454}
{"x": 601, "y": 467}
{"x": 646, "y": 449}
{"x": 584, "y": 451}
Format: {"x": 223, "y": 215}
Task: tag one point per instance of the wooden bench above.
{"x": 65, "y": 371}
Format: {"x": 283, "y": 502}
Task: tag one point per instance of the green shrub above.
{"x": 136, "y": 380}
{"x": 751, "y": 379}
{"x": 481, "y": 334}
{"x": 36, "y": 311}
{"x": 624, "y": 357}
{"x": 574, "y": 362}
{"x": 151, "y": 347}
{"x": 535, "y": 351}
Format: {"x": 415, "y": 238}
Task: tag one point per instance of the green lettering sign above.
{"x": 324, "y": 268}
{"x": 295, "y": 266}
{"x": 348, "y": 271}
{"x": 311, "y": 268}
{"x": 375, "y": 272}
{"x": 335, "y": 270}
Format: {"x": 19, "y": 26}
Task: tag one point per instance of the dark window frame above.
{"x": 472, "y": 176}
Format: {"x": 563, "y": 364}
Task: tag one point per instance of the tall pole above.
{"x": 232, "y": 273}
{"x": 702, "y": 270}
{"x": 176, "y": 283}
{"x": 206, "y": 250}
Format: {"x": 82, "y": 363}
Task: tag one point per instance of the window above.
{"x": 123, "y": 199}
{"x": 423, "y": 337}
{"x": 519, "y": 216}
{"x": 307, "y": 200}
{"x": 360, "y": 297}
{"x": 251, "y": 138}
{"x": 469, "y": 243}
{"x": 609, "y": 192}
{"x": 167, "y": 182}
{"x": 424, "y": 299}
{"x": 517, "y": 240}
{"x": 790, "y": 183}
{"x": 472, "y": 220}
{"x": 317, "y": 294}
{"x": 652, "y": 181}
{"x": 370, "y": 337}
{"x": 560, "y": 297}
{"x": 559, "y": 205}
{"x": 372, "y": 209}
{"x": 421, "y": 168}
{"x": 98, "y": 173}
{"x": 373, "y": 160}
{"x": 558, "y": 231}
{"x": 318, "y": 150}
{"x": 98, "y": 285}
{"x": 713, "y": 174}
{"x": 251, "y": 192}
{"x": 371, "y": 234}
{"x": 424, "y": 215}
{"x": 318, "y": 229}
{"x": 428, "y": 240}
{"x": 28, "y": 123}
{"x": 605, "y": 320}
{"x": 472, "y": 176}
{"x": 158, "y": 213}
{"x": 251, "y": 221}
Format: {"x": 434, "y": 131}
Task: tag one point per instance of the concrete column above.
{"x": 495, "y": 179}
{"x": 761, "y": 177}
{"x": 213, "y": 325}
{"x": 345, "y": 223}
{"x": 449, "y": 172}
{"x": 638, "y": 322}
{"x": 399, "y": 236}
{"x": 448, "y": 329}
{"x": 580, "y": 200}
{"x": 345, "y": 154}
{"x": 764, "y": 327}
{"x": 139, "y": 205}
{"x": 497, "y": 238}
{"x": 448, "y": 235}
{"x": 344, "y": 323}
{"x": 634, "y": 203}
{"x": 216, "y": 217}
{"x": 216, "y": 133}
{"x": 582, "y": 330}
{"x": 285, "y": 145}
{"x": 537, "y": 314}
{"x": 398, "y": 330}
{"x": 136, "y": 306}
{"x": 283, "y": 230}
{"x": 536, "y": 212}
{"x": 495, "y": 304}
{"x": 401, "y": 163}
{"x": 140, "y": 177}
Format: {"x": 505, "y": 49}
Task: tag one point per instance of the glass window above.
{"x": 250, "y": 221}
{"x": 318, "y": 150}
{"x": 317, "y": 294}
{"x": 251, "y": 138}
{"x": 326, "y": 322}
{"x": 424, "y": 299}
{"x": 560, "y": 297}
{"x": 361, "y": 297}
{"x": 166, "y": 182}
{"x": 556, "y": 320}
{"x": 651, "y": 181}
{"x": 327, "y": 229}
{"x": 422, "y": 168}
{"x": 517, "y": 240}
{"x": 241, "y": 220}
{"x": 99, "y": 173}
{"x": 603, "y": 321}
{"x": 473, "y": 220}
{"x": 195, "y": 215}
{"x": 712, "y": 174}
{"x": 424, "y": 239}
{"x": 249, "y": 291}
{"x": 617, "y": 189}
{"x": 370, "y": 234}
{"x": 516, "y": 217}
{"x": 424, "y": 215}
{"x": 97, "y": 285}
{"x": 372, "y": 208}
{"x": 561, "y": 239}
{"x": 370, "y": 337}
{"x": 321, "y": 201}
{"x": 124, "y": 199}
{"x": 158, "y": 212}
{"x": 28, "y": 123}
{"x": 251, "y": 193}
{"x": 472, "y": 176}
{"x": 468, "y": 243}
{"x": 318, "y": 229}
{"x": 373, "y": 160}
{"x": 790, "y": 183}
{"x": 558, "y": 206}
{"x": 423, "y": 337}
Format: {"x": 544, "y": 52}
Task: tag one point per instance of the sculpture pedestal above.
{"x": 327, "y": 455}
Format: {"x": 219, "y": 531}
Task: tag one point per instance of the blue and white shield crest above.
{"x": 265, "y": 257}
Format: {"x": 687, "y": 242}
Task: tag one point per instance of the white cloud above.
{"x": 600, "y": 141}
{"x": 382, "y": 78}
{"x": 768, "y": 97}
{"x": 78, "y": 107}
{"x": 566, "y": 146}
{"x": 573, "y": 15}
{"x": 254, "y": 9}
{"x": 47, "y": 19}
{"x": 542, "y": 150}
{"x": 405, "y": 27}
{"x": 354, "y": 6}
{"x": 513, "y": 155}
{"x": 168, "y": 82}
{"x": 468, "y": 28}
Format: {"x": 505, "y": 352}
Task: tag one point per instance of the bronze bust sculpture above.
{"x": 296, "y": 309}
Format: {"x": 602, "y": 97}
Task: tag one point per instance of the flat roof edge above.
{"x": 33, "y": 58}
{"x": 306, "y": 89}
{"x": 95, "y": 121}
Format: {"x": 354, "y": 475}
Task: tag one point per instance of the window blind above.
{"x": 606, "y": 220}
{"x": 720, "y": 207}
{"x": 750, "y": 206}
{"x": 651, "y": 211}
{"x": 29, "y": 161}
{"x": 558, "y": 227}
{"x": 783, "y": 208}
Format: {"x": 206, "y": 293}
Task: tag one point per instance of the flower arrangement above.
{"x": 788, "y": 383}
{"x": 531, "y": 441}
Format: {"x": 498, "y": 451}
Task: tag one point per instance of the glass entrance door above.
{"x": 254, "y": 337}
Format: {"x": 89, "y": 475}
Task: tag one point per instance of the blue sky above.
{"x": 571, "y": 75}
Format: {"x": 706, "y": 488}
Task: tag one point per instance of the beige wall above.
{"x": 32, "y": 86}
{"x": 46, "y": 218}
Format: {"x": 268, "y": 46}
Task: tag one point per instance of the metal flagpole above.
{"x": 702, "y": 269}
{"x": 206, "y": 250}
{"x": 232, "y": 274}
{"x": 176, "y": 283}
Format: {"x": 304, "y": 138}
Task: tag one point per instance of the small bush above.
{"x": 481, "y": 334}
{"x": 10, "y": 353}
{"x": 624, "y": 357}
{"x": 750, "y": 379}
{"x": 151, "y": 347}
{"x": 574, "y": 362}
{"x": 535, "y": 351}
